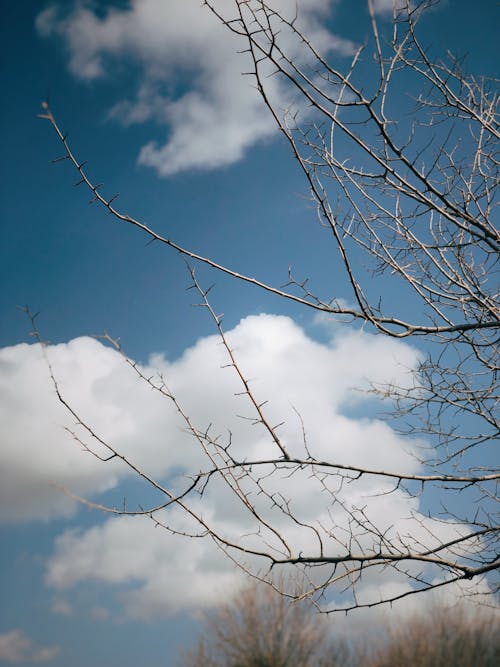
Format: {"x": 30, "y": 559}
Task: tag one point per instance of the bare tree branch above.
{"x": 407, "y": 191}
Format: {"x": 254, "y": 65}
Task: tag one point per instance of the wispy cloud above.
{"x": 16, "y": 646}
{"x": 190, "y": 73}
{"x": 61, "y": 607}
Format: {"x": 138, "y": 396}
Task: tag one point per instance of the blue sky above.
{"x": 78, "y": 589}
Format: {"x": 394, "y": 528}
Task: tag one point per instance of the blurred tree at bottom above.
{"x": 261, "y": 628}
{"x": 461, "y": 636}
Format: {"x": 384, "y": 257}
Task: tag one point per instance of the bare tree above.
{"x": 260, "y": 628}
{"x": 446, "y": 636}
{"x": 405, "y": 187}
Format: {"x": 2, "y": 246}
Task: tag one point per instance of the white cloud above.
{"x": 190, "y": 78}
{"x": 158, "y": 574}
{"x": 164, "y": 573}
{"x": 37, "y": 452}
{"x": 16, "y": 646}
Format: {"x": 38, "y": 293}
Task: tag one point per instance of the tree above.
{"x": 260, "y": 628}
{"x": 447, "y": 636}
{"x": 406, "y": 192}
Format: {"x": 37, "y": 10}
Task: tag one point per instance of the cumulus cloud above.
{"x": 158, "y": 574}
{"x": 16, "y": 646}
{"x": 39, "y": 453}
{"x": 162, "y": 574}
{"x": 190, "y": 79}
{"x": 165, "y": 573}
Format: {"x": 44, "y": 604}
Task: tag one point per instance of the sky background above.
{"x": 151, "y": 95}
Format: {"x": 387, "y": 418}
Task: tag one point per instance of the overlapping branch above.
{"x": 407, "y": 191}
